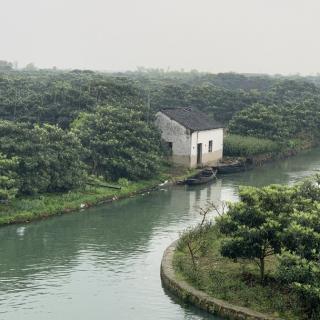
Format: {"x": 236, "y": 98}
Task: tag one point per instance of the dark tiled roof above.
{"x": 192, "y": 119}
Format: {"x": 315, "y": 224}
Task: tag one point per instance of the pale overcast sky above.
{"x": 269, "y": 36}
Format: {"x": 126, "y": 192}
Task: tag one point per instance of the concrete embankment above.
{"x": 200, "y": 299}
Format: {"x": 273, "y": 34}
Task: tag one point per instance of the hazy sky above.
{"x": 271, "y": 36}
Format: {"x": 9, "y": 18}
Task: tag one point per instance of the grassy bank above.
{"x": 235, "y": 282}
{"x": 45, "y": 205}
{"x": 26, "y": 209}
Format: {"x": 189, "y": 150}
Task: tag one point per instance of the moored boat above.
{"x": 202, "y": 177}
{"x": 234, "y": 166}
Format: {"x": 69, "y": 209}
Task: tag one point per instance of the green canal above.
{"x": 103, "y": 263}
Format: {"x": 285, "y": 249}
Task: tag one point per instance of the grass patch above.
{"x": 235, "y": 281}
{"x": 25, "y": 209}
{"x": 245, "y": 146}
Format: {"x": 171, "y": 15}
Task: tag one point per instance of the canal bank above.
{"x": 33, "y": 208}
{"x": 186, "y": 292}
{"x": 104, "y": 262}
{"x": 233, "y": 164}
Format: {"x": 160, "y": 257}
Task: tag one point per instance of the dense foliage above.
{"x": 280, "y": 122}
{"x": 49, "y": 158}
{"x": 272, "y": 108}
{"x": 283, "y": 220}
{"x": 119, "y": 142}
{"x": 58, "y": 97}
{"x": 8, "y": 178}
{"x": 254, "y": 225}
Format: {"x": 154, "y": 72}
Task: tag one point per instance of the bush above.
{"x": 49, "y": 157}
{"x": 245, "y": 146}
{"x": 304, "y": 278}
{"x": 123, "y": 182}
{"x": 119, "y": 142}
{"x": 8, "y": 178}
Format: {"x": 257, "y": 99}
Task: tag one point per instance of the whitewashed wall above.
{"x": 172, "y": 131}
{"x": 216, "y": 135}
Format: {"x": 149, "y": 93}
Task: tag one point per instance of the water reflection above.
{"x": 104, "y": 262}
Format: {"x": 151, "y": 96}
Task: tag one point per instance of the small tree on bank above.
{"x": 253, "y": 227}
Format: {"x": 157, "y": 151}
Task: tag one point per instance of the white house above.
{"x": 194, "y": 138}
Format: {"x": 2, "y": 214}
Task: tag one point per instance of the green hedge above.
{"x": 245, "y": 146}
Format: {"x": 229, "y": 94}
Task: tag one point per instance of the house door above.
{"x": 199, "y": 153}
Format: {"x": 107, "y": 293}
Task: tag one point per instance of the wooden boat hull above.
{"x": 233, "y": 167}
{"x": 201, "y": 179}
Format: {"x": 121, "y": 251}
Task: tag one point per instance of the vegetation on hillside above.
{"x": 59, "y": 127}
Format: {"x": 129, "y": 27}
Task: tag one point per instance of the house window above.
{"x": 210, "y": 146}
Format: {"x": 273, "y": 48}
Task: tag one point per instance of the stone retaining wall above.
{"x": 188, "y": 293}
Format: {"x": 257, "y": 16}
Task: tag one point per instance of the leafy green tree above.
{"x": 253, "y": 226}
{"x": 283, "y": 220}
{"x": 260, "y": 121}
{"x": 49, "y": 156}
{"x": 57, "y": 97}
{"x": 303, "y": 276}
{"x": 299, "y": 264}
{"x": 8, "y": 178}
{"x": 280, "y": 122}
{"x": 119, "y": 142}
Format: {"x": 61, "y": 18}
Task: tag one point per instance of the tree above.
{"x": 8, "y": 178}
{"x": 60, "y": 158}
{"x": 119, "y": 142}
{"x": 299, "y": 264}
{"x": 49, "y": 157}
{"x": 303, "y": 276}
{"x": 253, "y": 226}
{"x": 260, "y": 121}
